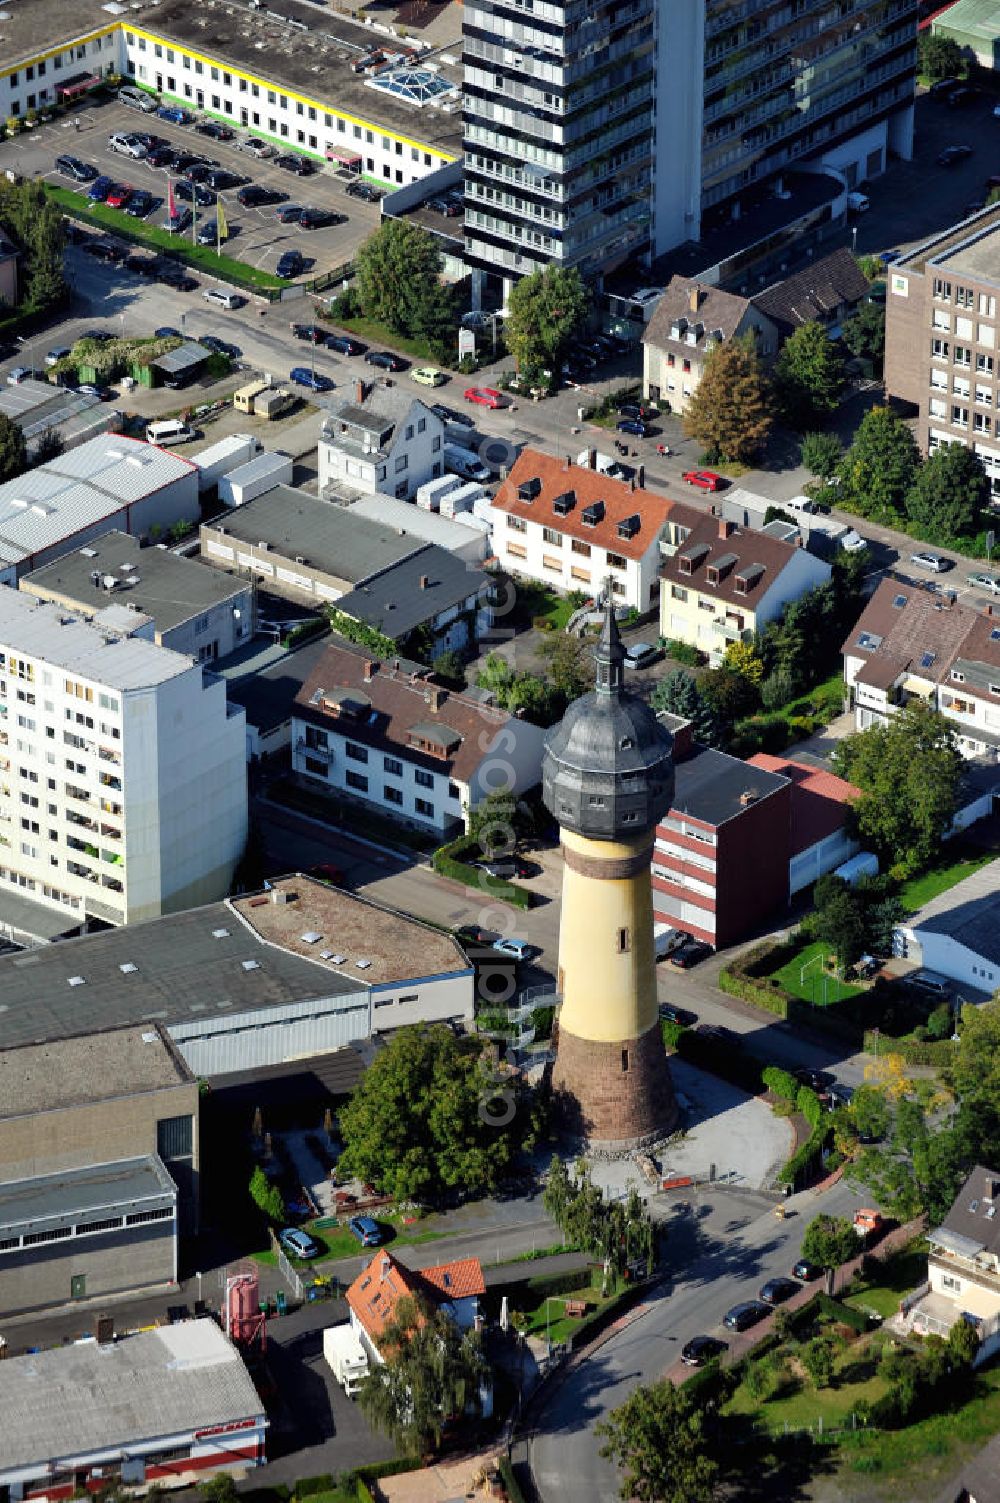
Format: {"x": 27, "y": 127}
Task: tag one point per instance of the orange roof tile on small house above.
{"x": 456, "y": 1280}
{"x": 592, "y": 506}
{"x": 377, "y": 1290}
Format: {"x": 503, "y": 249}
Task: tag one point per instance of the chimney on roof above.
{"x": 694, "y": 297}
{"x": 726, "y": 529}
{"x": 987, "y": 610}
{"x": 747, "y": 797}
{"x": 359, "y": 392}
{"x": 631, "y": 484}
{"x": 569, "y": 461}
{"x": 435, "y": 698}
{"x": 424, "y": 581}
{"x": 369, "y": 670}
{"x": 683, "y": 737}
{"x": 991, "y": 1186}
{"x": 640, "y": 478}
{"x": 592, "y": 459}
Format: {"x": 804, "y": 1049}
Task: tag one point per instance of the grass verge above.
{"x": 892, "y": 1279}
{"x": 338, "y": 1242}
{"x": 376, "y": 333}
{"x": 140, "y": 233}
{"x": 919, "y": 890}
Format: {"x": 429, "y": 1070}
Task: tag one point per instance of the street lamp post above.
{"x": 854, "y": 237}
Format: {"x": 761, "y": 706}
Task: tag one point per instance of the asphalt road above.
{"x": 721, "y": 1248}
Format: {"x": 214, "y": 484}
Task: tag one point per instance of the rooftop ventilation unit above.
{"x": 311, "y": 937}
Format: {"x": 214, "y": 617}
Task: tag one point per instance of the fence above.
{"x": 287, "y": 1272}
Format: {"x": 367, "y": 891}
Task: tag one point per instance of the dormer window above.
{"x": 958, "y": 678}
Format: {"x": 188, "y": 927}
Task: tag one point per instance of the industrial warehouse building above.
{"x": 109, "y": 482}
{"x": 169, "y": 1405}
{"x": 99, "y": 1164}
{"x": 244, "y": 984}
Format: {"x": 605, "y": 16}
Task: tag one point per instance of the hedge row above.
{"x": 822, "y": 1304}
{"x": 447, "y": 862}
{"x": 545, "y": 1284}
{"x": 715, "y": 1055}
{"x": 913, "y": 1053}
{"x": 748, "y": 977}
{"x": 357, "y": 1479}
{"x": 808, "y": 1104}
{"x": 780, "y": 1083}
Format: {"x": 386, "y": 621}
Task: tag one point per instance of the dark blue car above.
{"x": 635, "y": 426}
{"x": 303, "y": 376}
{"x": 100, "y": 188}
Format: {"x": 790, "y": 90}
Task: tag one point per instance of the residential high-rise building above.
{"x": 558, "y": 129}
{"x": 123, "y": 791}
{"x": 597, "y": 133}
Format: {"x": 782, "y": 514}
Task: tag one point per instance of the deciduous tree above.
{"x": 398, "y": 270}
{"x": 809, "y": 374}
{"x": 424, "y": 1118}
{"x": 13, "y": 453}
{"x": 658, "y": 1439}
{"x": 864, "y": 333}
{"x": 821, "y": 454}
{"x": 545, "y": 310}
{"x": 830, "y": 1241}
{"x": 909, "y": 772}
{"x": 732, "y": 410}
{"x": 939, "y": 57}
{"x": 949, "y": 494}
{"x": 880, "y": 466}
{"x": 267, "y": 1197}
{"x": 744, "y": 659}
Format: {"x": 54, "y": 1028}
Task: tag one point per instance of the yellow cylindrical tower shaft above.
{"x": 607, "y": 973}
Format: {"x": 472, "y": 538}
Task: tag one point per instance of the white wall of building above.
{"x": 532, "y": 553}
{"x": 428, "y": 999}
{"x": 944, "y": 954}
{"x": 814, "y": 862}
{"x": 802, "y": 572}
{"x": 414, "y": 456}
{"x": 680, "y": 85}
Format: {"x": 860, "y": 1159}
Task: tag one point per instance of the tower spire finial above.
{"x": 610, "y": 654}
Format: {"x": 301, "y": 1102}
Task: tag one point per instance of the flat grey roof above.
{"x": 167, "y": 587}
{"x": 93, "y": 1067}
{"x": 188, "y": 968}
{"x": 968, "y": 913}
{"x": 40, "y": 630}
{"x": 73, "y": 1400}
{"x": 79, "y": 1192}
{"x": 395, "y": 601}
{"x": 186, "y": 357}
{"x": 268, "y": 695}
{"x": 295, "y": 524}
{"x": 709, "y": 783}
{"x": 26, "y": 916}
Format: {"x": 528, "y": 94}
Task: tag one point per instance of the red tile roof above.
{"x": 556, "y": 477}
{"x": 819, "y": 799}
{"x": 378, "y": 1289}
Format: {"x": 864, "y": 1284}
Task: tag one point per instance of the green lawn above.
{"x": 536, "y": 602}
{"x": 823, "y": 703}
{"x": 799, "y": 1405}
{"x": 560, "y": 1325}
{"x": 817, "y": 985}
{"x": 894, "y": 1278}
{"x": 919, "y": 890}
{"x": 200, "y": 256}
{"x": 338, "y": 1242}
{"x": 930, "y": 1443}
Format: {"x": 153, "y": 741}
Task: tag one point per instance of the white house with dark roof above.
{"x": 416, "y": 752}
{"x": 381, "y": 441}
{"x": 689, "y": 321}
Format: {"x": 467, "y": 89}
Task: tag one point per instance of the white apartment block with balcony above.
{"x": 381, "y": 441}
{"x": 123, "y": 789}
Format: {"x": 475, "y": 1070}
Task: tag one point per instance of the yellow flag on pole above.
{"x": 220, "y": 220}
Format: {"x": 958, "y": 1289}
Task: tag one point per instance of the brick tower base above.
{"x": 614, "y": 1108}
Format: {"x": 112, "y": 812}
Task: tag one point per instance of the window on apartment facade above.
{"x": 984, "y": 364}
{"x": 423, "y": 779}
{"x": 423, "y": 807}
{"x": 392, "y": 795}
{"x": 393, "y": 766}
{"x": 985, "y": 335}
{"x": 583, "y": 549}
{"x": 355, "y": 752}
{"x": 517, "y": 524}
{"x": 960, "y": 417}
{"x": 964, "y": 297}
{"x": 941, "y": 320}
{"x": 356, "y": 781}
{"x": 940, "y": 349}
{"x": 962, "y": 355}
{"x": 316, "y": 767}
{"x": 615, "y": 561}
{"x": 549, "y": 535}
{"x": 942, "y": 289}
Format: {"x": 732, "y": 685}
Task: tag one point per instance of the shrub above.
{"x": 683, "y": 652}
{"x": 780, "y": 1082}
{"x": 306, "y": 1486}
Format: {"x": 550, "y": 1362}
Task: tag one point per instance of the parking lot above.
{"x": 256, "y": 236}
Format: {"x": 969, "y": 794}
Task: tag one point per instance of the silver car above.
{"x": 127, "y": 146}
{"x": 932, "y": 561}
{"x": 987, "y": 582}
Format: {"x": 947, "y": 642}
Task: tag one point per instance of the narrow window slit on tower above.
{"x": 624, "y": 1061}
{"x": 623, "y": 941}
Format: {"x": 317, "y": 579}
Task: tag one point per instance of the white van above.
{"x": 137, "y": 99}
{"x": 799, "y": 506}
{"x": 223, "y": 298}
{"x": 463, "y": 462}
{"x": 169, "y": 431}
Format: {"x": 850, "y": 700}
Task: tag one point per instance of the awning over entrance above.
{"x": 78, "y": 85}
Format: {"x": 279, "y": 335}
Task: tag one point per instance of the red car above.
{"x": 705, "y": 480}
{"x": 325, "y": 872}
{"x": 117, "y": 196}
{"x": 484, "y": 396}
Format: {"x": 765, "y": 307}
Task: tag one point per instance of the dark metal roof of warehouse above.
{"x": 178, "y": 969}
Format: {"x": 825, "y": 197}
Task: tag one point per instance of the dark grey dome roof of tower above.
{"x": 608, "y": 767}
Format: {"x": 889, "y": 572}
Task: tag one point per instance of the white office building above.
{"x": 122, "y": 774}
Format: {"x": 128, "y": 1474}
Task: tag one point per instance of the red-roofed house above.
{"x": 572, "y": 527}
{"x": 820, "y": 803}
{"x": 454, "y": 1287}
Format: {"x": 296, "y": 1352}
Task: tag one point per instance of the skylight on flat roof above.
{"x": 417, "y": 86}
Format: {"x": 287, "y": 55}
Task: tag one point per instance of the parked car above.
{"x": 126, "y": 146}
{"x": 932, "y": 561}
{"x": 139, "y": 204}
{"x": 311, "y": 333}
{"x": 319, "y": 219}
{"x": 345, "y": 345}
{"x": 474, "y": 934}
{"x": 806, "y": 1271}
{"x": 98, "y": 336}
{"x": 517, "y": 949}
{"x": 506, "y": 868}
{"x": 18, "y": 374}
{"x": 57, "y": 353}
{"x": 72, "y": 167}
{"x": 222, "y": 180}
{"x": 635, "y": 426}
{"x": 988, "y": 582}
{"x": 690, "y": 954}
{"x": 223, "y": 298}
{"x": 105, "y": 250}
{"x": 215, "y": 130}
{"x": 485, "y": 396}
{"x": 175, "y": 114}
{"x": 952, "y": 155}
{"x": 641, "y": 411}
{"x": 366, "y": 1229}
{"x": 386, "y": 360}
{"x": 776, "y": 1291}
{"x": 137, "y": 99}
{"x": 701, "y": 1349}
{"x": 161, "y": 156}
{"x": 256, "y": 196}
{"x": 288, "y": 213}
{"x": 298, "y": 1244}
{"x": 178, "y": 222}
{"x": 303, "y": 376}
{"x": 366, "y": 191}
{"x": 219, "y": 346}
{"x": 208, "y": 233}
{"x": 427, "y": 375}
{"x": 327, "y": 872}
{"x": 642, "y": 654}
{"x": 746, "y": 1314}
{"x": 100, "y": 188}
{"x": 300, "y": 166}
{"x": 290, "y": 264}
{"x": 198, "y": 172}
{"x": 167, "y": 331}
{"x": 963, "y": 95}
{"x": 255, "y": 147}
{"x": 704, "y": 480}
{"x": 117, "y": 195}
